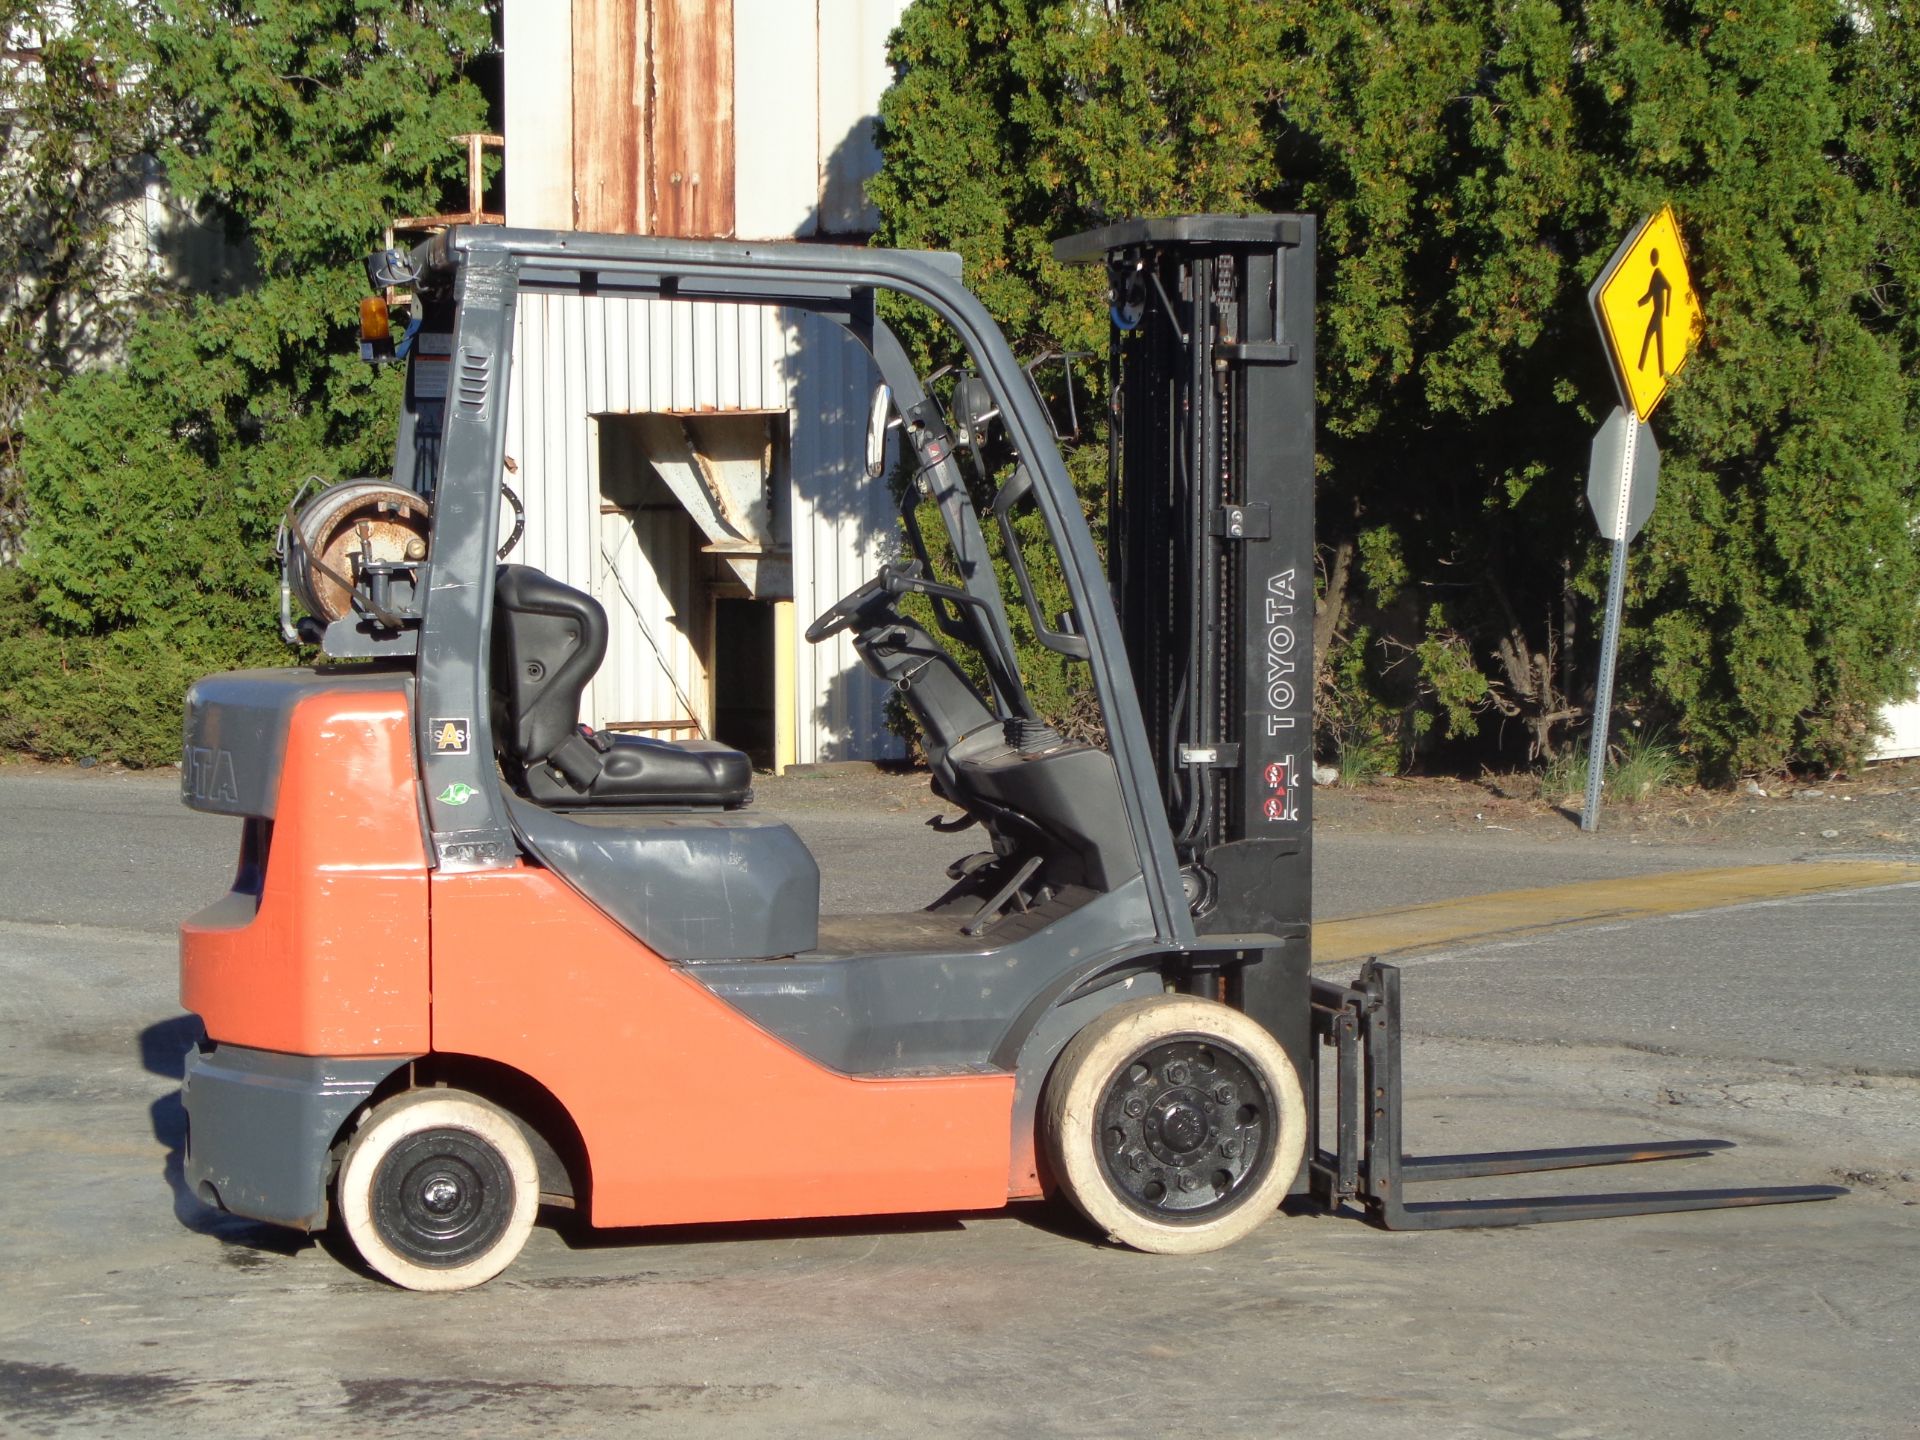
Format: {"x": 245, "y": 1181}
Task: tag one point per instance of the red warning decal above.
{"x": 1283, "y": 803}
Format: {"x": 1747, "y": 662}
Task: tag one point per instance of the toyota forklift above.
{"x": 478, "y": 958}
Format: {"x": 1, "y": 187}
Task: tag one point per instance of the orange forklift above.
{"x": 478, "y": 958}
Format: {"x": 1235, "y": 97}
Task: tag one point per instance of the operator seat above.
{"x": 548, "y": 640}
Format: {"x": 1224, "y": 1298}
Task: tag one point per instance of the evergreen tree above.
{"x": 76, "y": 116}
{"x": 156, "y": 487}
{"x": 1474, "y": 163}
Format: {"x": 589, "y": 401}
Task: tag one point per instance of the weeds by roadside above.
{"x": 1639, "y": 766}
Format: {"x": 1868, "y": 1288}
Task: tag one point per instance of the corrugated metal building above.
{"x": 697, "y": 466}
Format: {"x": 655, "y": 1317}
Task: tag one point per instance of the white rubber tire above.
{"x": 1088, "y": 1066}
{"x": 396, "y": 1120}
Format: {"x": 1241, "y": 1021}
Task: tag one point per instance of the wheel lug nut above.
{"x": 1137, "y": 1160}
{"x": 1177, "y": 1073}
{"x": 1230, "y": 1148}
{"x": 1135, "y": 1107}
{"x": 1223, "y": 1093}
{"x": 1189, "y": 1182}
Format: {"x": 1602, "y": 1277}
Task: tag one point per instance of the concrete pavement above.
{"x": 1784, "y": 1024}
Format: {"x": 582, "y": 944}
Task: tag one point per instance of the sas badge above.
{"x": 450, "y": 737}
{"x": 1282, "y": 803}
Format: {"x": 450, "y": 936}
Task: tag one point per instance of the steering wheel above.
{"x": 849, "y": 608}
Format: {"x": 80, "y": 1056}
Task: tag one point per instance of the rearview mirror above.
{"x": 877, "y": 419}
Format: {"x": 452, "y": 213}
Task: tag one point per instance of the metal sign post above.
{"x": 1644, "y": 294}
{"x": 1623, "y": 478}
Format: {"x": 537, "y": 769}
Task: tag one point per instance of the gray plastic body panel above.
{"x": 236, "y": 731}
{"x": 260, "y": 1126}
{"x": 890, "y": 1014}
{"x": 1072, "y": 795}
{"x": 690, "y": 886}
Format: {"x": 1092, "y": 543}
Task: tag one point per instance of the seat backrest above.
{"x": 548, "y": 640}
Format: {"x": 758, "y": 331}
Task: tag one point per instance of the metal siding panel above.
{"x": 737, "y": 347}
{"x": 726, "y": 357}
{"x": 1902, "y": 739}
{"x": 689, "y": 604}
{"x": 553, "y": 500}
{"x": 649, "y": 335}
{"x": 680, "y": 392}
{"x": 538, "y": 84}
{"x": 619, "y": 353}
{"x": 704, "y": 357}
{"x": 576, "y": 358}
{"x": 843, "y": 524}
{"x": 583, "y": 451}
{"x": 659, "y": 386}
{"x": 551, "y": 507}
{"x": 578, "y": 492}
{"x": 777, "y": 331}
{"x": 593, "y": 348}
{"x": 612, "y": 687}
{"x": 776, "y": 100}
{"x": 853, "y": 75}
{"x": 645, "y": 593}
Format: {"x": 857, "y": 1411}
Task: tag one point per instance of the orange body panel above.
{"x": 331, "y": 957}
{"x": 690, "y": 1111}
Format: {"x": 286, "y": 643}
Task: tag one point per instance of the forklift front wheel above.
{"x": 438, "y": 1190}
{"x": 1176, "y": 1124}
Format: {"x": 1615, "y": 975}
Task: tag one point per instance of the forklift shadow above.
{"x": 164, "y": 1045}
{"x": 163, "y": 1051}
{"x": 1052, "y": 1218}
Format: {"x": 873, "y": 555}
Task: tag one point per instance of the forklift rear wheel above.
{"x": 1174, "y": 1123}
{"x": 438, "y": 1190}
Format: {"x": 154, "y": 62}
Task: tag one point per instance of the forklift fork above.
{"x": 1361, "y": 1025}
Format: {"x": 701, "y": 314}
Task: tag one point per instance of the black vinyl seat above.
{"x": 548, "y": 640}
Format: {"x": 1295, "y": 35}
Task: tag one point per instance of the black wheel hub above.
{"x": 1185, "y": 1129}
{"x": 442, "y": 1197}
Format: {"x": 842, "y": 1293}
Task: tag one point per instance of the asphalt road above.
{"x": 125, "y": 1306}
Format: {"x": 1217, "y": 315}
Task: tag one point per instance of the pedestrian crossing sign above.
{"x": 1648, "y": 311}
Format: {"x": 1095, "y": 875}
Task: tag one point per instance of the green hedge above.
{"x": 154, "y": 488}
{"x": 1474, "y": 163}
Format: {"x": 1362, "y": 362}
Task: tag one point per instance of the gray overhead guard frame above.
{"x": 1213, "y": 364}
{"x": 453, "y": 451}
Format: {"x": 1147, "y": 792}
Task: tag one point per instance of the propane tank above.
{"x": 328, "y": 539}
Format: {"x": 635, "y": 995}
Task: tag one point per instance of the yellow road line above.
{"x": 1511, "y": 913}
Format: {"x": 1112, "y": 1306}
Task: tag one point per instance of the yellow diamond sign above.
{"x": 1648, "y": 310}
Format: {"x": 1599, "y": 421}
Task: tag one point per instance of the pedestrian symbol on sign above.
{"x": 1660, "y": 296}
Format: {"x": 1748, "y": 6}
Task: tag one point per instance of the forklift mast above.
{"x": 1210, "y": 544}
